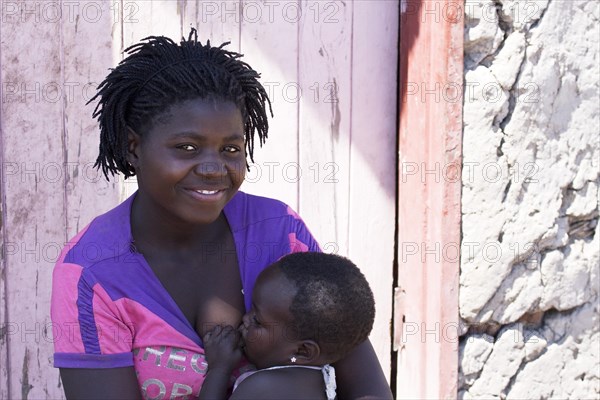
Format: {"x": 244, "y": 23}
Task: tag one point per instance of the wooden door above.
{"x": 330, "y": 68}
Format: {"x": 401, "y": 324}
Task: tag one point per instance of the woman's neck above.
{"x": 152, "y": 226}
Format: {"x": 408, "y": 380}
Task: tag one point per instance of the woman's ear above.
{"x": 133, "y": 145}
{"x": 308, "y": 352}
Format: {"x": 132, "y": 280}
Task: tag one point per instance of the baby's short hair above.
{"x": 333, "y": 305}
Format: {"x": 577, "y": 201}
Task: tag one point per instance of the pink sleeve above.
{"x": 87, "y": 328}
{"x": 301, "y": 240}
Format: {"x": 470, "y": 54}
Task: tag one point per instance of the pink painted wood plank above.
{"x": 33, "y": 197}
{"x": 217, "y": 21}
{"x": 151, "y": 18}
{"x": 429, "y": 198}
{"x": 373, "y": 158}
{"x": 269, "y": 43}
{"x": 88, "y": 193}
{"x": 165, "y": 18}
{"x": 4, "y": 380}
{"x": 4, "y": 390}
{"x": 325, "y": 44}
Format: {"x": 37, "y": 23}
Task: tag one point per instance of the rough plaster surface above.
{"x": 530, "y": 261}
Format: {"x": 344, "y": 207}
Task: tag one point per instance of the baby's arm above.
{"x": 222, "y": 351}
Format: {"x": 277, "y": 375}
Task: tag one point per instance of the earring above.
{"x": 293, "y": 359}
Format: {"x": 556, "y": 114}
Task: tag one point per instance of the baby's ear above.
{"x": 133, "y": 144}
{"x": 308, "y": 352}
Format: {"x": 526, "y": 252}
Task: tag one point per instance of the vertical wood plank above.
{"x": 431, "y": 50}
{"x": 165, "y": 17}
{"x": 269, "y": 43}
{"x": 324, "y": 115}
{"x": 373, "y": 158}
{"x": 33, "y": 147}
{"x": 411, "y": 218}
{"x": 217, "y": 21}
{"x": 4, "y": 378}
{"x": 411, "y": 360}
{"x": 87, "y": 191}
{"x": 4, "y": 364}
{"x": 150, "y": 18}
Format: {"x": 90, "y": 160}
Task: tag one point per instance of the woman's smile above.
{"x": 208, "y": 195}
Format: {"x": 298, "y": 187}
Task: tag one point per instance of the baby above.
{"x": 308, "y": 311}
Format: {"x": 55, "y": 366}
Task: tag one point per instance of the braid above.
{"x": 158, "y": 73}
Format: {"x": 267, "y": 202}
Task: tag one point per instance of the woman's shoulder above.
{"x": 252, "y": 208}
{"x": 262, "y": 202}
{"x": 106, "y": 236}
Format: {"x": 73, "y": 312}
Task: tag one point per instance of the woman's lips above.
{"x": 207, "y": 194}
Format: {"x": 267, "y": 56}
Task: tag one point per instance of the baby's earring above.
{"x": 293, "y": 359}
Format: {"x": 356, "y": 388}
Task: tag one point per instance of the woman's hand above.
{"x": 222, "y": 348}
{"x": 359, "y": 375}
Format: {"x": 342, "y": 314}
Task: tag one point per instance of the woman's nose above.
{"x": 210, "y": 167}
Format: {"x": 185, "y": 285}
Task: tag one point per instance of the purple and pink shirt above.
{"x": 110, "y": 310}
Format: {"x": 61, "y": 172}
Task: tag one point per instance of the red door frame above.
{"x": 426, "y": 318}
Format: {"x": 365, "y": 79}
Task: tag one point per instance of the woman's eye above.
{"x": 231, "y": 149}
{"x": 187, "y": 147}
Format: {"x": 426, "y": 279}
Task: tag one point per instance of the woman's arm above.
{"x": 359, "y": 375}
{"x": 100, "y": 383}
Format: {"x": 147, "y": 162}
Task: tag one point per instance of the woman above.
{"x": 137, "y": 289}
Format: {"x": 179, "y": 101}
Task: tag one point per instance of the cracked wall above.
{"x": 529, "y": 279}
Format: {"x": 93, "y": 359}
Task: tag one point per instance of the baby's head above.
{"x": 308, "y": 309}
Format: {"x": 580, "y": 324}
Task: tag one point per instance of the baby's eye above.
{"x": 255, "y": 320}
{"x": 187, "y": 147}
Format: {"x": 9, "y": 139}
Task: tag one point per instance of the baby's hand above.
{"x": 221, "y": 348}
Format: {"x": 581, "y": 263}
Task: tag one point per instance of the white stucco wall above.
{"x": 529, "y": 279}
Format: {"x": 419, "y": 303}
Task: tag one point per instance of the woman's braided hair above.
{"x": 157, "y": 74}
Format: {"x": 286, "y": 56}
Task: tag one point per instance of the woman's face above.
{"x": 268, "y": 330}
{"x": 192, "y": 161}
